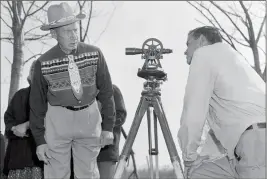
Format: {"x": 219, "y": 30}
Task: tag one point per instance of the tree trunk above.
{"x": 256, "y": 59}
{"x": 17, "y": 65}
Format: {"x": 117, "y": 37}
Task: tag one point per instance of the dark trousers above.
{"x": 2, "y": 152}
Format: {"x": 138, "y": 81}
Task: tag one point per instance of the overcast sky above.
{"x": 131, "y": 24}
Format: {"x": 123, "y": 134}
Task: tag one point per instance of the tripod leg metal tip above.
{"x": 177, "y": 170}
{"x": 120, "y": 168}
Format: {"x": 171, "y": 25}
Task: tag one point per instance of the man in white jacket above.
{"x": 223, "y": 89}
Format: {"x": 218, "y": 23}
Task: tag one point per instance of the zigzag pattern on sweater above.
{"x": 61, "y": 65}
{"x": 55, "y": 71}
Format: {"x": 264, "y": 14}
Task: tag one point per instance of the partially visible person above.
{"x": 225, "y": 90}
{"x": 2, "y": 154}
{"x": 109, "y": 155}
{"x": 21, "y": 161}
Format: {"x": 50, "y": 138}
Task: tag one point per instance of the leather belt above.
{"x": 78, "y": 108}
{"x": 257, "y": 125}
{"x": 74, "y": 108}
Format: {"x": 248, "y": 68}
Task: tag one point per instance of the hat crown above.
{"x": 59, "y": 11}
{"x": 60, "y": 15}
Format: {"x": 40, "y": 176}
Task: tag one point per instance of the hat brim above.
{"x": 47, "y": 27}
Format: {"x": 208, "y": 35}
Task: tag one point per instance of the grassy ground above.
{"x": 164, "y": 173}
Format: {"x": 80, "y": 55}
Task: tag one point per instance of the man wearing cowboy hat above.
{"x": 64, "y": 113}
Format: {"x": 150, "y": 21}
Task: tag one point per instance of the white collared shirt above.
{"x": 223, "y": 89}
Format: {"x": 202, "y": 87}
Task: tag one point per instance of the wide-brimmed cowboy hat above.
{"x": 60, "y": 15}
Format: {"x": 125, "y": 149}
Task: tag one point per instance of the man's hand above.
{"x": 43, "y": 153}
{"x": 106, "y": 138}
{"x": 191, "y": 166}
{"x": 21, "y": 129}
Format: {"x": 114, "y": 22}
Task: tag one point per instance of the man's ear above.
{"x": 203, "y": 40}
{"x": 53, "y": 33}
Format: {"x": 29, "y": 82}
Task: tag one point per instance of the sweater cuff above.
{"x": 40, "y": 141}
{"x": 108, "y": 125}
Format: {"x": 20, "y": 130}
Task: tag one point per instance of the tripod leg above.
{"x": 142, "y": 107}
{"x": 156, "y": 145}
{"x": 132, "y": 155}
{"x": 149, "y": 143}
{"x": 167, "y": 136}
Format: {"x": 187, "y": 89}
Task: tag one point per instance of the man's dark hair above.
{"x": 212, "y": 34}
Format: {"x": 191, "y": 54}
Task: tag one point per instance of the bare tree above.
{"x": 243, "y": 22}
{"x": 15, "y": 16}
{"x": 84, "y": 26}
{"x": 84, "y": 32}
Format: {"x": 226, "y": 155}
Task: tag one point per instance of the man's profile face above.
{"x": 67, "y": 36}
{"x": 192, "y": 45}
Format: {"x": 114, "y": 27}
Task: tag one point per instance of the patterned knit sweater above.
{"x": 51, "y": 84}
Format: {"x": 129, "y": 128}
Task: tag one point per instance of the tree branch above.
{"x": 23, "y": 9}
{"x": 218, "y": 7}
{"x": 238, "y": 41}
{"x": 7, "y": 41}
{"x": 88, "y": 23}
{"x": 230, "y": 42}
{"x": 222, "y": 29}
{"x": 250, "y": 26}
{"x": 9, "y": 9}
{"x": 31, "y": 30}
{"x": 79, "y": 4}
{"x": 261, "y": 27}
{"x": 106, "y": 25}
{"x": 37, "y": 19}
{"x": 84, "y": 3}
{"x": 44, "y": 43}
{"x": 6, "y": 38}
{"x": 200, "y": 22}
{"x": 9, "y": 5}
{"x": 264, "y": 74}
{"x": 6, "y": 23}
{"x": 230, "y": 37}
{"x": 80, "y": 22}
{"x": 253, "y": 14}
{"x": 34, "y": 56}
{"x": 37, "y": 37}
{"x": 42, "y": 7}
{"x": 8, "y": 60}
{"x": 262, "y": 50}
{"x": 250, "y": 5}
{"x": 29, "y": 9}
{"x": 234, "y": 13}
{"x": 27, "y": 14}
